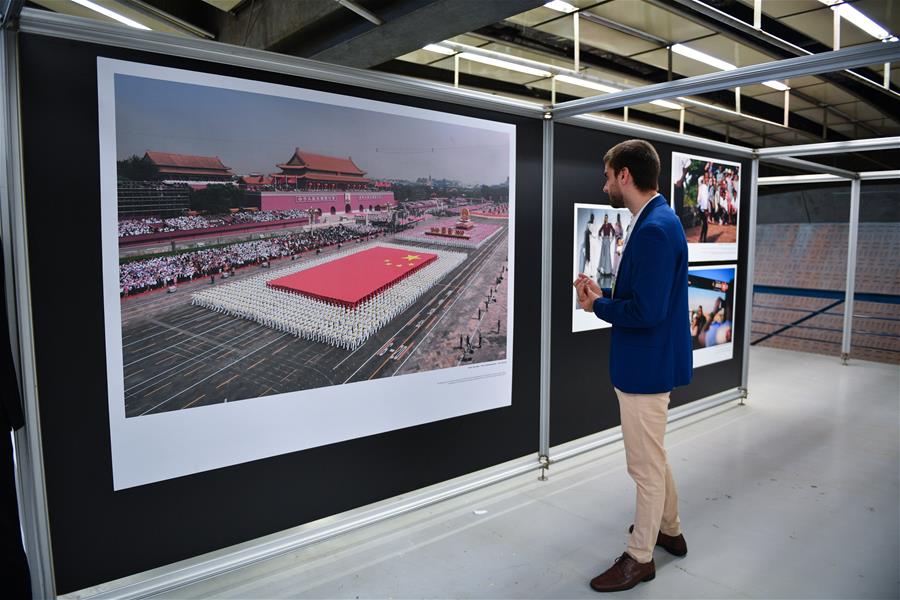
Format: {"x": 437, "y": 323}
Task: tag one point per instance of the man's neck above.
{"x": 636, "y": 204}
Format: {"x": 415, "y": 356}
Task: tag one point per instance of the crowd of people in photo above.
{"x": 152, "y": 273}
{"x": 316, "y": 320}
{"x": 129, "y": 227}
{"x": 491, "y": 209}
{"x": 718, "y": 194}
{"x": 711, "y": 328}
{"x": 265, "y": 216}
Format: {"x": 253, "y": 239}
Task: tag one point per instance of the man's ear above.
{"x": 624, "y": 175}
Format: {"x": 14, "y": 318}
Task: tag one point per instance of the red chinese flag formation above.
{"x": 357, "y": 277}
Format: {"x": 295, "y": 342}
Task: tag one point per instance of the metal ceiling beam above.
{"x": 877, "y": 52}
{"x": 868, "y": 145}
{"x": 538, "y": 41}
{"x": 155, "y": 13}
{"x": 408, "y": 26}
{"x": 789, "y": 49}
{"x": 741, "y": 31}
{"x": 527, "y": 90}
{"x": 806, "y": 179}
{"x": 806, "y": 165}
{"x": 799, "y": 179}
{"x": 634, "y": 130}
{"x": 9, "y": 10}
{"x": 361, "y": 11}
{"x": 622, "y": 28}
{"x": 265, "y": 24}
{"x": 42, "y": 22}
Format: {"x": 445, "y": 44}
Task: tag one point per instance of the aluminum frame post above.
{"x": 30, "y": 480}
{"x": 751, "y": 270}
{"x": 852, "y": 241}
{"x": 546, "y": 292}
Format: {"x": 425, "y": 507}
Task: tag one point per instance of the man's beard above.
{"x": 615, "y": 199}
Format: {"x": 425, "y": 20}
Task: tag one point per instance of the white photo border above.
{"x": 163, "y": 446}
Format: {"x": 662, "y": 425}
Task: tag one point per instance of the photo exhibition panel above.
{"x": 336, "y": 329}
{"x": 589, "y": 236}
{"x": 249, "y": 288}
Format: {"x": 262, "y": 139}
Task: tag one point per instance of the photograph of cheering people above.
{"x": 711, "y": 304}
{"x": 706, "y": 197}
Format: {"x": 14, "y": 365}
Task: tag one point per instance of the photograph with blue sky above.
{"x": 253, "y": 132}
{"x": 711, "y": 293}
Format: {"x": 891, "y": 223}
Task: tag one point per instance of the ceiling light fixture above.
{"x": 852, "y": 14}
{"x": 702, "y": 57}
{"x": 112, "y": 15}
{"x": 561, "y": 6}
{"x": 585, "y": 83}
{"x": 439, "y": 49}
{"x": 667, "y": 104}
{"x": 718, "y": 63}
{"x": 602, "y": 87}
{"x": 503, "y": 64}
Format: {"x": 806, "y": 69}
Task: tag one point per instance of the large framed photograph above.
{"x": 599, "y": 238}
{"x": 286, "y": 268}
{"x": 711, "y": 294}
{"x": 706, "y": 197}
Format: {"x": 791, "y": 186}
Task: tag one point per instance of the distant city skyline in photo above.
{"x": 253, "y": 132}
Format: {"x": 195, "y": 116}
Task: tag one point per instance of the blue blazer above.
{"x": 651, "y": 334}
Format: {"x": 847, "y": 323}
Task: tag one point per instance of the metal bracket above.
{"x": 744, "y": 393}
{"x": 545, "y": 466}
{"x": 9, "y": 11}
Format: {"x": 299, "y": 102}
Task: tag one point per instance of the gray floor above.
{"x": 796, "y": 495}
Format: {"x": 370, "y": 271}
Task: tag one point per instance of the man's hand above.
{"x": 587, "y": 291}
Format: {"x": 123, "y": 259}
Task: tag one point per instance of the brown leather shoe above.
{"x": 623, "y": 575}
{"x": 674, "y": 545}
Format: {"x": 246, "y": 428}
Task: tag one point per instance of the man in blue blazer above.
{"x": 651, "y": 351}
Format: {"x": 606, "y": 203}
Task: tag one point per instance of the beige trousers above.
{"x": 643, "y": 430}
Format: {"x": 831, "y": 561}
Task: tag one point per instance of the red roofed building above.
{"x": 308, "y": 171}
{"x": 186, "y": 167}
{"x": 255, "y": 181}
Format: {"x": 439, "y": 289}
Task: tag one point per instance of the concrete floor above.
{"x": 795, "y": 495}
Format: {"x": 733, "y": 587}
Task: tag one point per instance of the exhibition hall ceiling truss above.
{"x": 552, "y": 52}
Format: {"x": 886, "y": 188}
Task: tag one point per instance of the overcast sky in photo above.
{"x": 252, "y": 132}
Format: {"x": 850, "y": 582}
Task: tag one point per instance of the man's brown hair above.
{"x": 640, "y": 158}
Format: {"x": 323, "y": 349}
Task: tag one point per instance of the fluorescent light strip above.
{"x": 728, "y": 111}
{"x": 561, "y": 6}
{"x": 439, "y": 49}
{"x": 776, "y": 85}
{"x": 719, "y": 64}
{"x": 702, "y": 57}
{"x": 602, "y": 87}
{"x": 496, "y": 62}
{"x": 112, "y": 15}
{"x": 593, "y": 85}
{"x": 852, "y": 14}
{"x": 667, "y": 104}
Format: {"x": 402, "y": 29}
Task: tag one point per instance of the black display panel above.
{"x": 98, "y": 534}
{"x": 583, "y": 400}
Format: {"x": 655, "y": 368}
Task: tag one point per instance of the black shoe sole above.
{"x": 649, "y": 577}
